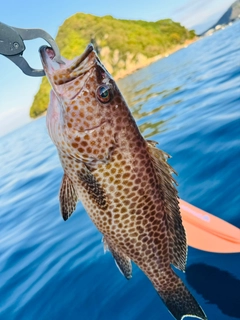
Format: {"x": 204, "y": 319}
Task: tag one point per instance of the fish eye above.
{"x": 104, "y": 93}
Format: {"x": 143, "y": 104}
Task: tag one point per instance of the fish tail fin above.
{"x": 177, "y": 298}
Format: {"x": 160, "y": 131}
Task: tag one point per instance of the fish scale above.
{"x": 122, "y": 180}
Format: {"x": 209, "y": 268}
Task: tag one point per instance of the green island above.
{"x": 124, "y": 45}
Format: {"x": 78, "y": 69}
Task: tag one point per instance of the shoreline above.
{"x": 123, "y": 73}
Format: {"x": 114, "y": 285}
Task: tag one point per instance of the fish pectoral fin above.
{"x": 68, "y": 197}
{"x": 122, "y": 261}
{"x": 173, "y": 219}
{"x": 93, "y": 187}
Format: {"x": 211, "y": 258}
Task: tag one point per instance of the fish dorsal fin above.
{"x": 68, "y": 197}
{"x": 122, "y": 261}
{"x": 93, "y": 187}
{"x": 176, "y": 232}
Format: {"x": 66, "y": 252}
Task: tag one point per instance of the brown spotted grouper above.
{"x": 123, "y": 180}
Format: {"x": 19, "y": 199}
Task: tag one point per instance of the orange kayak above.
{"x": 208, "y": 232}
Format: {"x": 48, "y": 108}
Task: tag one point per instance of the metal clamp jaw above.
{"x": 12, "y": 46}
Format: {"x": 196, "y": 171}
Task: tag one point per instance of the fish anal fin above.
{"x": 67, "y": 197}
{"x": 122, "y": 261}
{"x": 93, "y": 187}
{"x": 173, "y": 220}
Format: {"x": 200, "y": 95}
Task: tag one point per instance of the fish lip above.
{"x": 95, "y": 127}
{"x": 87, "y": 51}
{"x": 47, "y": 55}
{"x": 88, "y": 130}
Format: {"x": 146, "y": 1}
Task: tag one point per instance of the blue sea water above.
{"x": 50, "y": 269}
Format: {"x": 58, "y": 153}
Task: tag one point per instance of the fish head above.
{"x": 87, "y": 110}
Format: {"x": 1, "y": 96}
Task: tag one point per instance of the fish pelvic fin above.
{"x": 67, "y": 197}
{"x": 122, "y": 261}
{"x": 176, "y": 232}
{"x": 177, "y": 298}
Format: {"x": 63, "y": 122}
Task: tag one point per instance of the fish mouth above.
{"x": 59, "y": 74}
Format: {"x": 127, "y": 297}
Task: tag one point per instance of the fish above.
{"x": 123, "y": 181}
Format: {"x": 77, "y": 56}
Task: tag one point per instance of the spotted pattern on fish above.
{"x": 123, "y": 180}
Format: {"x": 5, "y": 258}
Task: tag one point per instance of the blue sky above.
{"x": 17, "y": 90}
